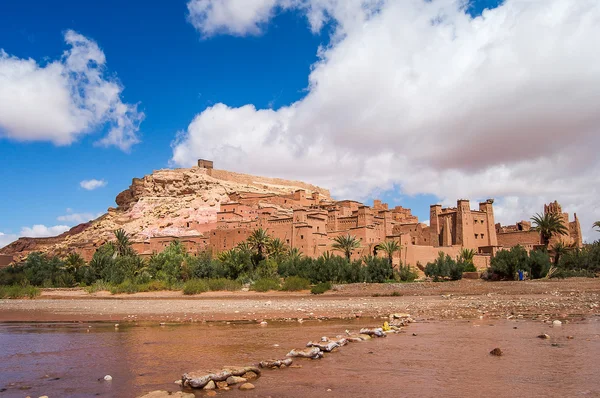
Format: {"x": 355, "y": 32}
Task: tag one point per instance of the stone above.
{"x": 250, "y": 376}
{"x": 235, "y": 380}
{"x": 543, "y": 336}
{"x": 496, "y": 352}
{"x": 570, "y": 337}
{"x": 247, "y": 386}
{"x": 210, "y": 386}
{"x": 222, "y": 385}
{"x": 178, "y": 382}
{"x": 557, "y": 323}
{"x": 107, "y": 378}
{"x": 167, "y": 394}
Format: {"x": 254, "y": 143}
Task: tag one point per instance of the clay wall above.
{"x": 267, "y": 182}
{"x": 411, "y": 254}
{"x": 227, "y": 239}
{"x": 523, "y": 238}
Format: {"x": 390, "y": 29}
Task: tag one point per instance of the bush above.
{"x": 469, "y": 267}
{"x": 195, "y": 286}
{"x": 377, "y": 269}
{"x": 153, "y": 286}
{"x": 98, "y": 286}
{"x": 321, "y": 288}
{"x": 444, "y": 267}
{"x": 506, "y": 263}
{"x": 295, "y": 283}
{"x": 223, "y": 284}
{"x": 406, "y": 273}
{"x": 265, "y": 284}
{"x": 539, "y": 264}
{"x": 16, "y": 291}
{"x": 579, "y": 262}
{"x": 127, "y": 287}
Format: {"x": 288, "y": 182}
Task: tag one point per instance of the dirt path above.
{"x": 562, "y": 299}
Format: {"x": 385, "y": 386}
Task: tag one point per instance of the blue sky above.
{"x": 176, "y": 66}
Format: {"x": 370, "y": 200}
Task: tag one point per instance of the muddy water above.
{"x": 444, "y": 359}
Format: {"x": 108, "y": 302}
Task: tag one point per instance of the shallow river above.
{"x": 444, "y": 359}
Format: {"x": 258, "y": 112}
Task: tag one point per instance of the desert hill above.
{"x": 168, "y": 202}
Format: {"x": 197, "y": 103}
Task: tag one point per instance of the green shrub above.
{"x": 579, "y": 262}
{"x": 295, "y": 283}
{"x": 16, "y": 291}
{"x": 265, "y": 284}
{"x": 406, "y": 273}
{"x": 223, "y": 284}
{"x": 377, "y": 269}
{"x": 444, "y": 267}
{"x": 98, "y": 286}
{"x": 127, "y": 287}
{"x": 539, "y": 263}
{"x": 469, "y": 267}
{"x": 153, "y": 286}
{"x": 195, "y": 286}
{"x": 506, "y": 263}
{"x": 320, "y": 288}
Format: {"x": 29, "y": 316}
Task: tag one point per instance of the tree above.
{"x": 548, "y": 225}
{"x": 258, "y": 240}
{"x": 506, "y": 263}
{"x": 467, "y": 255}
{"x": 123, "y": 244}
{"x": 444, "y": 267}
{"x": 559, "y": 250}
{"x": 346, "y": 243}
{"x": 390, "y": 247}
{"x": 276, "y": 249}
{"x": 294, "y": 254}
{"x": 377, "y": 270}
{"x": 73, "y": 262}
{"x": 597, "y": 226}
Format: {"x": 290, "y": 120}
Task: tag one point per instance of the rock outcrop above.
{"x": 168, "y": 202}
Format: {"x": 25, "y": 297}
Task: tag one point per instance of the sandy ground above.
{"x": 467, "y": 299}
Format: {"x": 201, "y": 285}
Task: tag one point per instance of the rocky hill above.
{"x": 168, "y": 202}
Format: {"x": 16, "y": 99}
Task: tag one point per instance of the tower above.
{"x": 464, "y": 225}
{"x": 434, "y": 227}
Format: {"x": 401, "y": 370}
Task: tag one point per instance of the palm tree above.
{"x": 294, "y": 254}
{"x": 258, "y": 240}
{"x": 548, "y": 225}
{"x": 467, "y": 255}
{"x": 389, "y": 247}
{"x": 346, "y": 243}
{"x": 123, "y": 244}
{"x": 276, "y": 248}
{"x": 597, "y": 226}
{"x": 73, "y": 262}
{"x": 244, "y": 247}
{"x": 559, "y": 249}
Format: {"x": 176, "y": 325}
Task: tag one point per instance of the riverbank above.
{"x": 466, "y": 299}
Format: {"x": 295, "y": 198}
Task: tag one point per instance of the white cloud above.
{"x": 65, "y": 98}
{"x": 92, "y": 184}
{"x": 419, "y": 94}
{"x": 6, "y": 239}
{"x": 41, "y": 231}
{"x": 77, "y": 218}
